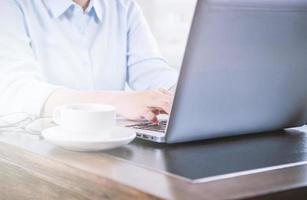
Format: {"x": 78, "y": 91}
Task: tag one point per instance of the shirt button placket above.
{"x": 87, "y": 64}
{"x": 85, "y": 59}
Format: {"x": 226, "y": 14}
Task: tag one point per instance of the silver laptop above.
{"x": 244, "y": 71}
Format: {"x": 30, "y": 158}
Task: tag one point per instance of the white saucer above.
{"x": 119, "y": 136}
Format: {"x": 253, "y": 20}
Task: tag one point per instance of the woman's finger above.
{"x": 150, "y": 116}
{"x": 156, "y": 111}
{"x": 160, "y": 100}
{"x": 163, "y": 104}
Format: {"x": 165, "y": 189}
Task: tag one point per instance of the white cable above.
{"x": 17, "y": 120}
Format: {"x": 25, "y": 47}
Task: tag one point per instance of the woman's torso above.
{"x": 75, "y": 49}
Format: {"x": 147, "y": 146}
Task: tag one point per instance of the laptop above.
{"x": 244, "y": 71}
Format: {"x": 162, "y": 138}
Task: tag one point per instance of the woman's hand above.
{"x": 144, "y": 105}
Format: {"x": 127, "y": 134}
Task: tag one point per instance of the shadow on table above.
{"x": 215, "y": 157}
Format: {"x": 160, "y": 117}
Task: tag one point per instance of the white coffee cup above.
{"x": 86, "y": 120}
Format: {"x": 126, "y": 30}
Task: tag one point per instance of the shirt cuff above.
{"x": 33, "y": 96}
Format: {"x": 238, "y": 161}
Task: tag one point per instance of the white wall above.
{"x": 170, "y": 21}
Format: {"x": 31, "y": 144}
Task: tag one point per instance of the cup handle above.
{"x": 56, "y": 116}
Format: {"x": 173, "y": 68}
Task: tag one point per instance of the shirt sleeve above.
{"x": 146, "y": 67}
{"x": 22, "y": 88}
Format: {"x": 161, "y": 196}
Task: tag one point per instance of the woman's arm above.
{"x": 22, "y": 88}
{"x": 132, "y": 105}
{"x": 147, "y": 69}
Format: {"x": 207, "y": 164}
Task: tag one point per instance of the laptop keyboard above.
{"x": 161, "y": 127}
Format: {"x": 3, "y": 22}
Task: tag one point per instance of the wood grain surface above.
{"x": 26, "y": 176}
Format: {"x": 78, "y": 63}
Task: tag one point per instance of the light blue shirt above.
{"x": 46, "y": 44}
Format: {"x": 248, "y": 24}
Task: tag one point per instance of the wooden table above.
{"x": 33, "y": 169}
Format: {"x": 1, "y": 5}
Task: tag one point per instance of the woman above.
{"x": 55, "y": 52}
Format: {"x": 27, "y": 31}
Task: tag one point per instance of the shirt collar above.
{"x": 59, "y": 7}
{"x": 97, "y": 6}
